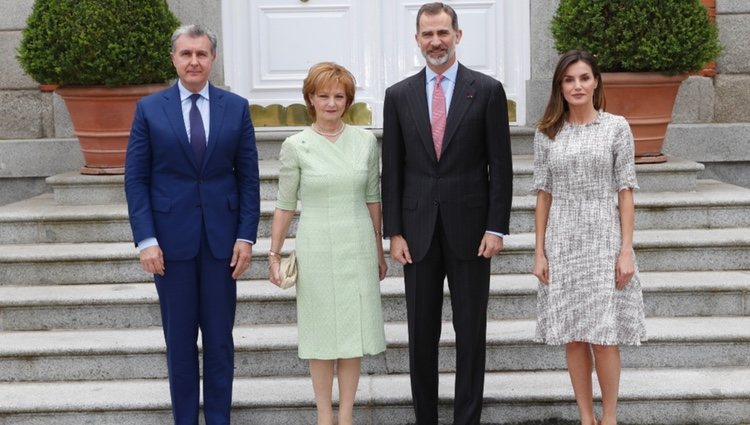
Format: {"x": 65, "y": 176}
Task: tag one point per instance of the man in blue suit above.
{"x": 192, "y": 186}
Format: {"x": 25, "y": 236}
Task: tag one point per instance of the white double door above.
{"x": 270, "y": 44}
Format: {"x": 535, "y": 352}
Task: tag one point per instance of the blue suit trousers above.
{"x": 199, "y": 293}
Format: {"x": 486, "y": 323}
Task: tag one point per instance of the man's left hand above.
{"x": 242, "y": 254}
{"x": 491, "y": 245}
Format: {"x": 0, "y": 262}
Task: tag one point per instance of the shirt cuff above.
{"x": 147, "y": 243}
{"x": 246, "y": 240}
{"x": 494, "y": 233}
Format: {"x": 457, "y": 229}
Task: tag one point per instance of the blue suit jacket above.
{"x": 171, "y": 197}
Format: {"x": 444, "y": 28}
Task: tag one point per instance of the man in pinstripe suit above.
{"x": 447, "y": 191}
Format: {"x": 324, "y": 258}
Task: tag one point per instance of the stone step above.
{"x": 271, "y": 350}
{"x": 647, "y": 396}
{"x": 135, "y": 305}
{"x": 522, "y": 140}
{"x": 676, "y": 175}
{"x": 117, "y": 262}
{"x": 713, "y": 204}
{"x": 269, "y": 141}
{"x": 26, "y": 163}
{"x": 42, "y": 220}
{"x": 72, "y": 188}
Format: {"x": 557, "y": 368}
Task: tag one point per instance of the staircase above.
{"x": 81, "y": 342}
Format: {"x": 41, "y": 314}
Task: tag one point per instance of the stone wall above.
{"x": 207, "y": 13}
{"x": 720, "y": 141}
{"x": 36, "y": 135}
{"x": 733, "y": 66}
{"x": 30, "y": 114}
{"x": 26, "y": 113}
{"x": 543, "y": 59}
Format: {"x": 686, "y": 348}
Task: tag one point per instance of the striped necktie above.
{"x": 438, "y": 116}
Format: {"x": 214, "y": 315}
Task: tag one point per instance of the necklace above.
{"x": 334, "y": 134}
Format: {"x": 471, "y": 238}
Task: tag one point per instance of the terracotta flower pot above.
{"x": 48, "y": 88}
{"x": 646, "y": 100}
{"x": 102, "y": 117}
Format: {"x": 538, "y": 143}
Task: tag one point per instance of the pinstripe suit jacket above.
{"x": 470, "y": 189}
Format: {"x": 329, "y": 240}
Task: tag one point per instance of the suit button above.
{"x": 435, "y": 203}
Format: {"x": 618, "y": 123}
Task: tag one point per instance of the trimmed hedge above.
{"x": 98, "y": 42}
{"x": 669, "y": 36}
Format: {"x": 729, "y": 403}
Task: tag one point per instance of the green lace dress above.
{"x": 338, "y": 291}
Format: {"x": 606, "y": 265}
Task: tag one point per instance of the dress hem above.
{"x": 563, "y": 341}
{"x": 347, "y": 356}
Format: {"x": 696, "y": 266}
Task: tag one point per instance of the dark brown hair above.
{"x": 322, "y": 75}
{"x": 435, "y": 9}
{"x": 557, "y": 107}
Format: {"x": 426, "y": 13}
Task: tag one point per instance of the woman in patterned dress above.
{"x": 584, "y": 174}
{"x": 335, "y": 170}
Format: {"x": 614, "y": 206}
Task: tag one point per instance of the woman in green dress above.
{"x": 335, "y": 170}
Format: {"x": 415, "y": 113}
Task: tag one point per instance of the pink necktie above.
{"x": 438, "y": 116}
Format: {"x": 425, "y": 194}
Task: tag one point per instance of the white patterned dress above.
{"x": 584, "y": 168}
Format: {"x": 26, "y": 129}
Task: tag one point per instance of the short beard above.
{"x": 440, "y": 60}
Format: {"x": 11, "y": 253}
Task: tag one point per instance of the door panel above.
{"x": 270, "y": 44}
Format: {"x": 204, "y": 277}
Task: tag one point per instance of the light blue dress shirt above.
{"x": 448, "y": 84}
{"x": 202, "y": 103}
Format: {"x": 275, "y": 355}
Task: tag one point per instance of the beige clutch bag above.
{"x": 288, "y": 271}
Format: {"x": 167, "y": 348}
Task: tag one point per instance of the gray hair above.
{"x": 194, "y": 30}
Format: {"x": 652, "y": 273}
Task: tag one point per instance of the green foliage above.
{"x": 98, "y": 42}
{"x": 669, "y": 36}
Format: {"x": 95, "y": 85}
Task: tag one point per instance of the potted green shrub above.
{"x": 105, "y": 55}
{"x": 644, "y": 49}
